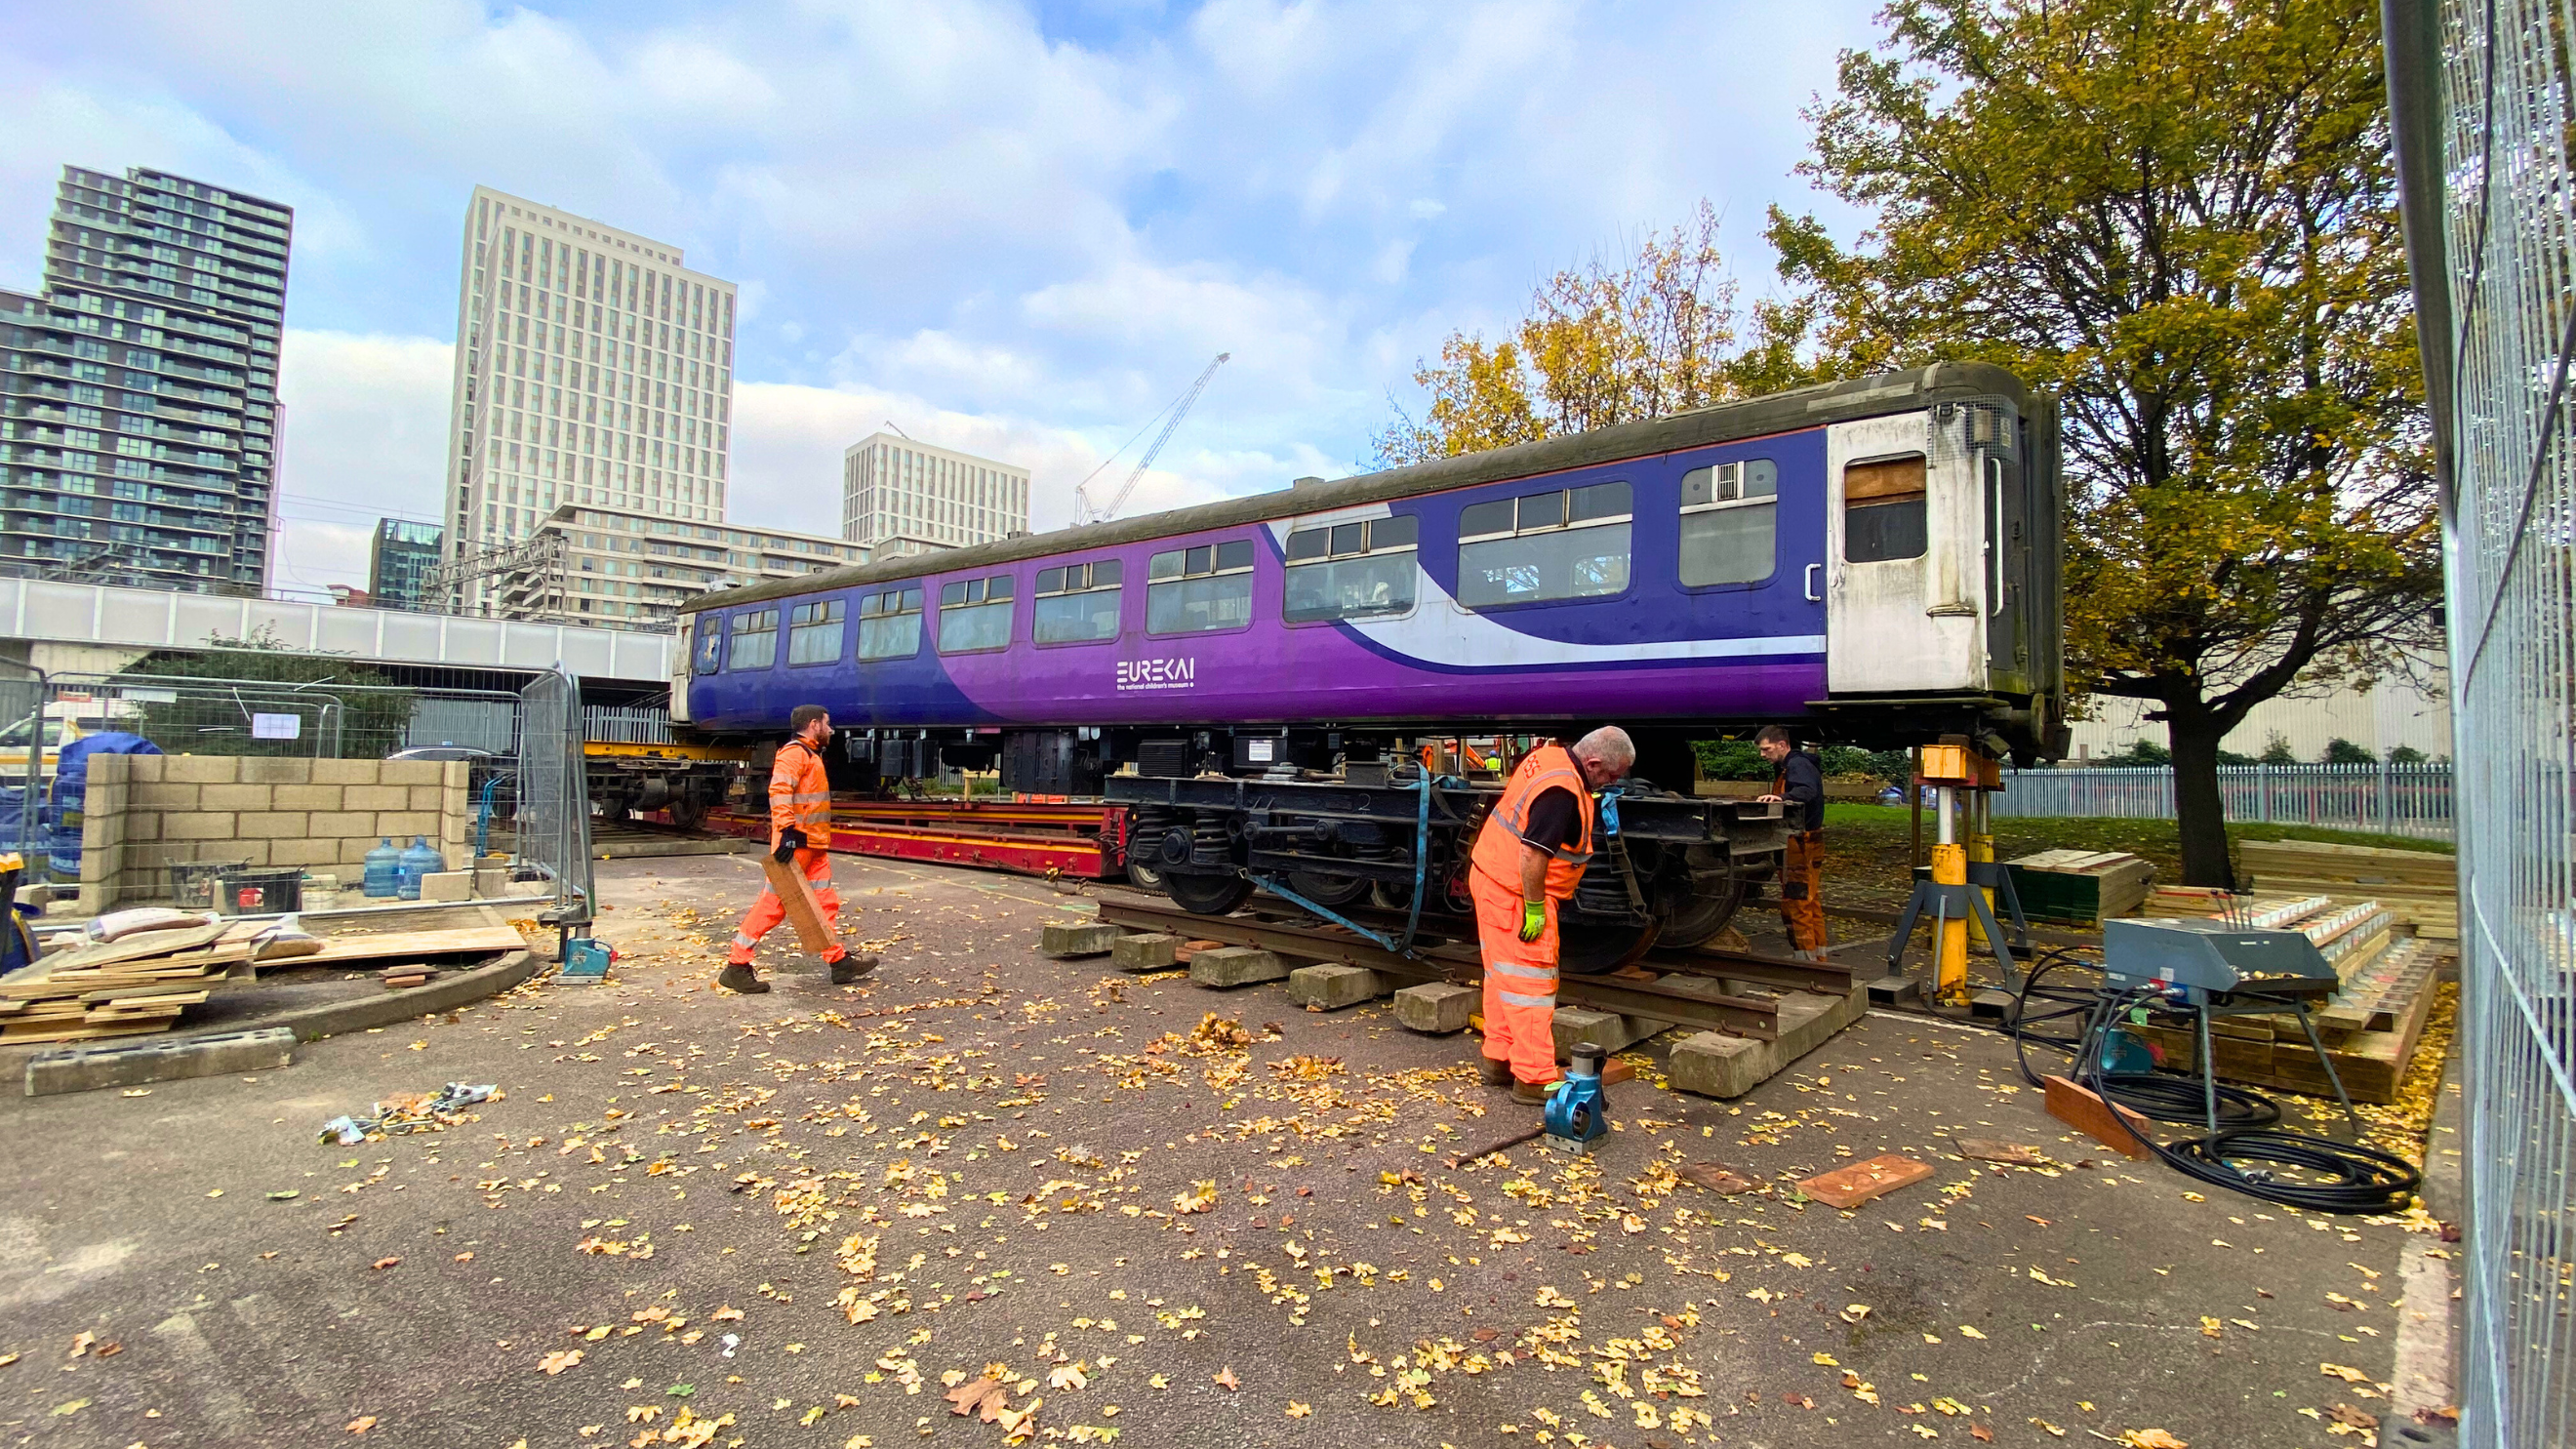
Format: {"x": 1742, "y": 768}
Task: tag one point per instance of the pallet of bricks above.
{"x": 2420, "y": 888}
{"x": 2369, "y": 1026}
{"x": 144, "y": 980}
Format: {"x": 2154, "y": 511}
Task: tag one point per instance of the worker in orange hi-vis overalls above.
{"x": 800, "y": 810}
{"x": 1529, "y": 857}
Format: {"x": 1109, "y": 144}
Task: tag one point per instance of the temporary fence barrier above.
{"x": 2388, "y": 799}
{"x": 2483, "y": 111}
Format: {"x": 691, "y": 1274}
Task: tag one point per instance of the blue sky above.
{"x": 1014, "y": 228}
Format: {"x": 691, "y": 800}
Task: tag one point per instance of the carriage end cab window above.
{"x": 1569, "y": 544}
{"x": 1077, "y": 603}
{"x": 1194, "y": 590}
{"x": 1729, "y": 524}
{"x": 755, "y": 640}
{"x": 1883, "y": 517}
{"x": 890, "y": 624}
{"x": 975, "y": 614}
{"x": 1352, "y": 570}
{"x": 710, "y": 656}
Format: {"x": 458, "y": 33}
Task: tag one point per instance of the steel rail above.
{"x": 1452, "y": 961}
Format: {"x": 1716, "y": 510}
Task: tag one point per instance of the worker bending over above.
{"x": 800, "y": 811}
{"x": 1529, "y": 856}
{"x": 1799, "y": 784}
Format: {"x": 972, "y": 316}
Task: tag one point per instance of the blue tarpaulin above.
{"x": 62, "y": 817}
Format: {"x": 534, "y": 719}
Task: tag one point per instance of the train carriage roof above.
{"x": 1719, "y": 423}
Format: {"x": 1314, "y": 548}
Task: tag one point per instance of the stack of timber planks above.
{"x": 123, "y": 988}
{"x": 2080, "y": 887}
{"x": 2419, "y": 887}
{"x": 2369, "y": 1026}
{"x": 144, "y": 982}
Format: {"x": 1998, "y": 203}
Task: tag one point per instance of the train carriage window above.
{"x": 814, "y": 632}
{"x": 755, "y": 640}
{"x": 1077, "y": 603}
{"x": 1883, "y": 518}
{"x": 890, "y": 624}
{"x": 1729, "y": 523}
{"x": 1194, "y": 590}
{"x": 1352, "y": 570}
{"x": 710, "y": 656}
{"x": 1569, "y": 544}
{"x": 975, "y": 614}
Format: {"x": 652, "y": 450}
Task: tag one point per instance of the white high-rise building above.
{"x": 901, "y": 497}
{"x": 592, "y": 367}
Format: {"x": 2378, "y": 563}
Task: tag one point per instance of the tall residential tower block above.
{"x": 138, "y": 396}
{"x": 592, "y": 367}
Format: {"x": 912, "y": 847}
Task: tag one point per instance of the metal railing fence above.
{"x": 2483, "y": 109}
{"x": 2414, "y": 800}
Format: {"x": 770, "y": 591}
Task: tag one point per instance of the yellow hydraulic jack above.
{"x": 1959, "y": 892}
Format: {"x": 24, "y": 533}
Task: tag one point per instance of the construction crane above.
{"x": 1084, "y": 510}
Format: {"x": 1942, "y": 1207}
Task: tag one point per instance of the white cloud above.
{"x": 1019, "y": 232}
{"x": 364, "y": 422}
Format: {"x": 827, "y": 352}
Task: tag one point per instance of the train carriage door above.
{"x": 1904, "y": 549}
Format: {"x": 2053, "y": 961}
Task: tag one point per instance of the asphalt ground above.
{"x": 810, "y": 1217}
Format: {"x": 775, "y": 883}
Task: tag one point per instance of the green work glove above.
{"x": 1533, "y": 919}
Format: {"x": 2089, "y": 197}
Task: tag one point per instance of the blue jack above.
{"x": 1578, "y": 1111}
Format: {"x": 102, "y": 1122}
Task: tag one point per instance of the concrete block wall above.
{"x": 145, "y": 812}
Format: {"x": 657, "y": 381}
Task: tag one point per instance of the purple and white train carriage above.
{"x": 1874, "y": 561}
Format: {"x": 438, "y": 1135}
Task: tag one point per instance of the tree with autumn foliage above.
{"x": 2181, "y": 219}
{"x": 1603, "y": 343}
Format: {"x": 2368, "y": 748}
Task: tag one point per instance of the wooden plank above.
{"x": 2090, "y": 1115}
{"x": 1849, "y": 1187}
{"x": 803, "y": 911}
{"x": 463, "y": 941}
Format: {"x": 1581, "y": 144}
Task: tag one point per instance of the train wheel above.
{"x": 1328, "y": 890}
{"x": 1699, "y": 918}
{"x": 1207, "y": 895}
{"x": 1588, "y": 946}
{"x": 1145, "y": 877}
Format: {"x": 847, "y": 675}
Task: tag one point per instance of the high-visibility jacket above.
{"x": 1498, "y": 844}
{"x": 800, "y": 797}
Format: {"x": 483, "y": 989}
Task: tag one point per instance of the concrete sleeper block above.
{"x": 1081, "y": 938}
{"x": 1713, "y": 1064}
{"x": 1332, "y": 987}
{"x": 1607, "y": 1030}
{"x": 122, "y": 1064}
{"x": 1145, "y": 951}
{"x": 1230, "y": 966}
{"x": 1436, "y": 1007}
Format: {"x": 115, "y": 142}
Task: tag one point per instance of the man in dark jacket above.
{"x": 1800, "y": 784}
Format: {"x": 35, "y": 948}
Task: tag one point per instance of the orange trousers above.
{"x": 1520, "y": 982}
{"x": 769, "y": 910}
{"x": 1802, "y": 901}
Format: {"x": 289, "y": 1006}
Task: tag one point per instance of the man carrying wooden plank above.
{"x": 800, "y": 811}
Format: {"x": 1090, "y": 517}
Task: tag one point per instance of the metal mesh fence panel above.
{"x": 554, "y": 794}
{"x": 2486, "y": 104}
{"x": 2386, "y": 799}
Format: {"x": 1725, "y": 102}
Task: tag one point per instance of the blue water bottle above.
{"x": 382, "y": 864}
{"x": 416, "y": 861}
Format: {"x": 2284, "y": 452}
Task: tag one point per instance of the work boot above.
{"x": 738, "y": 977}
{"x": 1492, "y": 1072}
{"x": 850, "y": 968}
{"x": 1533, "y": 1093}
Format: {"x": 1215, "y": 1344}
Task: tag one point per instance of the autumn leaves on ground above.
{"x": 989, "y": 1198}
